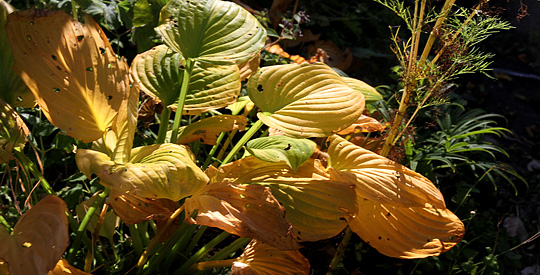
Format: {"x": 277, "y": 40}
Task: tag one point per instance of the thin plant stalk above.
{"x": 247, "y": 136}
{"x": 234, "y": 246}
{"x": 203, "y": 251}
{"x": 30, "y": 166}
{"x": 98, "y": 203}
{"x": 212, "y": 264}
{"x": 163, "y": 124}
{"x": 181, "y": 98}
{"x": 340, "y": 251}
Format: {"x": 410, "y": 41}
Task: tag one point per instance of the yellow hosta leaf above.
{"x": 364, "y": 124}
{"x": 407, "y": 232}
{"x": 64, "y": 268}
{"x": 208, "y": 129}
{"x": 245, "y": 210}
{"x": 132, "y": 209}
{"x": 155, "y": 171}
{"x": 71, "y": 69}
{"x": 38, "y": 239}
{"x": 378, "y": 178}
{"x": 13, "y": 132}
{"x": 369, "y": 92}
{"x": 307, "y": 100}
{"x": 263, "y": 259}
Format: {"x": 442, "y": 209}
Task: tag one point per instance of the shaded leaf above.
{"x": 364, "y": 124}
{"x": 211, "y": 31}
{"x": 155, "y": 171}
{"x": 38, "y": 239}
{"x": 263, "y": 259}
{"x": 281, "y": 148}
{"x": 378, "y": 178}
{"x": 109, "y": 224}
{"x": 245, "y": 210}
{"x": 406, "y": 232}
{"x": 71, "y": 69}
{"x": 159, "y": 75}
{"x": 370, "y": 94}
{"x": 133, "y": 209}
{"x": 207, "y": 130}
{"x": 307, "y": 100}
{"x": 12, "y": 88}
{"x": 13, "y": 132}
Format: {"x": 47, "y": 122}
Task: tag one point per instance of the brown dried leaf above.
{"x": 133, "y": 209}
{"x": 249, "y": 211}
{"x": 249, "y": 67}
{"x": 364, "y": 124}
{"x": 263, "y": 259}
{"x": 38, "y": 239}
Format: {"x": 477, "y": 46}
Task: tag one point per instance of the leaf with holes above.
{"x": 261, "y": 258}
{"x": 378, "y": 178}
{"x": 133, "y": 209}
{"x": 38, "y": 239}
{"x": 158, "y": 73}
{"x": 13, "y": 132}
{"x": 245, "y": 210}
{"x": 12, "y": 88}
{"x": 307, "y": 100}
{"x": 155, "y": 171}
{"x": 71, "y": 69}
{"x": 211, "y": 31}
{"x": 407, "y": 232}
{"x": 281, "y": 148}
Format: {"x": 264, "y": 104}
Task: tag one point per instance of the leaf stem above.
{"x": 181, "y": 98}
{"x": 340, "y": 251}
{"x": 213, "y": 264}
{"x": 31, "y": 166}
{"x": 79, "y": 233}
{"x": 203, "y": 251}
{"x": 247, "y": 136}
{"x": 163, "y": 124}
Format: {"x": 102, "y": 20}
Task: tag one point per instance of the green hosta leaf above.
{"x": 79, "y": 82}
{"x": 307, "y": 100}
{"x": 281, "y": 148}
{"x": 316, "y": 209}
{"x": 211, "y": 31}
{"x": 370, "y": 94}
{"x": 154, "y": 171}
{"x": 12, "y": 88}
{"x": 13, "y": 132}
{"x": 211, "y": 87}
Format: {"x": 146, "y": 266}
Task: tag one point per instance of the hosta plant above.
{"x": 274, "y": 197}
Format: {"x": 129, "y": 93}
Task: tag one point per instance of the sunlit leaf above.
{"x": 281, "y": 148}
{"x": 12, "y": 88}
{"x": 64, "y": 268}
{"x": 370, "y": 94}
{"x": 263, "y": 259}
{"x": 208, "y": 129}
{"x": 13, "y": 132}
{"x": 407, "y": 232}
{"x": 211, "y": 31}
{"x": 316, "y": 209}
{"x": 378, "y": 178}
{"x": 159, "y": 75}
{"x": 364, "y": 124}
{"x": 38, "y": 239}
{"x": 307, "y": 100}
{"x": 71, "y": 69}
{"x": 132, "y": 209}
{"x": 155, "y": 171}
{"x": 245, "y": 210}
{"x": 240, "y": 104}
{"x": 125, "y": 126}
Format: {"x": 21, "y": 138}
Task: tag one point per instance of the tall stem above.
{"x": 203, "y": 251}
{"x": 98, "y": 203}
{"x": 28, "y": 164}
{"x": 181, "y": 98}
{"x": 340, "y": 251}
{"x": 247, "y": 136}
{"x": 163, "y": 124}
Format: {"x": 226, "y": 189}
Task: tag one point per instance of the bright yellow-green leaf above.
{"x": 211, "y": 31}
{"x": 125, "y": 126}
{"x": 307, "y": 100}
{"x": 13, "y": 132}
{"x": 263, "y": 259}
{"x": 208, "y": 129}
{"x": 12, "y": 88}
{"x": 38, "y": 239}
{"x": 379, "y": 179}
{"x": 155, "y": 171}
{"x": 210, "y": 87}
{"x": 281, "y": 148}
{"x": 407, "y": 232}
{"x": 71, "y": 69}
{"x": 370, "y": 94}
{"x": 245, "y": 210}
{"x": 132, "y": 209}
